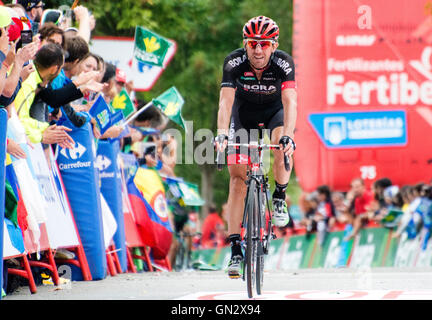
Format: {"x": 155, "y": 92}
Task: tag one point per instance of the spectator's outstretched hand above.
{"x": 27, "y": 53}
{"x": 15, "y": 150}
{"x": 92, "y": 86}
{"x": 81, "y": 13}
{"x": 85, "y": 77}
{"x": 58, "y": 134}
{"x": 92, "y": 22}
{"x": 10, "y": 56}
{"x": 26, "y": 71}
{"x": 4, "y": 41}
{"x": 112, "y": 132}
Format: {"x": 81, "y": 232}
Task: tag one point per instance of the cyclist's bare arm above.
{"x": 289, "y": 101}
{"x": 226, "y": 101}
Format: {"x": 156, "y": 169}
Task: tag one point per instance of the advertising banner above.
{"x": 370, "y": 246}
{"x": 298, "y": 252}
{"x": 111, "y": 189}
{"x": 364, "y": 79}
{"x": 59, "y": 221}
{"x": 81, "y": 180}
{"x": 3, "y": 122}
{"x": 272, "y": 261}
{"x": 333, "y": 253}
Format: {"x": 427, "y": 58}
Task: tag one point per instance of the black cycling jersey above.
{"x": 278, "y": 75}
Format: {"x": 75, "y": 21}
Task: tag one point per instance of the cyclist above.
{"x": 258, "y": 86}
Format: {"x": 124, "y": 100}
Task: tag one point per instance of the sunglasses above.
{"x": 263, "y": 43}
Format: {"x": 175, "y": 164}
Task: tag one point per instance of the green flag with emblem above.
{"x": 123, "y": 102}
{"x": 190, "y": 194}
{"x": 170, "y": 103}
{"x": 150, "y": 47}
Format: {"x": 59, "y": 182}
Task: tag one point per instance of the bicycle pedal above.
{"x": 234, "y": 276}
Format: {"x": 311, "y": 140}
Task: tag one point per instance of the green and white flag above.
{"x": 150, "y": 47}
{"x": 170, "y": 103}
{"x": 123, "y": 102}
{"x": 190, "y": 194}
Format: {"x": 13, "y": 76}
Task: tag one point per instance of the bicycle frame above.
{"x": 256, "y": 227}
{"x": 256, "y": 236}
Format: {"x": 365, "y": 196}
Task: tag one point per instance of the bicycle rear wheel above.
{"x": 180, "y": 256}
{"x": 251, "y": 212}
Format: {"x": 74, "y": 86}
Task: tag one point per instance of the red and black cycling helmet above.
{"x": 261, "y": 27}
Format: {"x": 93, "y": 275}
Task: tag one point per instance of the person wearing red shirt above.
{"x": 361, "y": 200}
{"x": 212, "y": 230}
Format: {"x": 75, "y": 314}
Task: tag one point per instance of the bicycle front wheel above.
{"x": 252, "y": 232}
{"x": 260, "y": 245}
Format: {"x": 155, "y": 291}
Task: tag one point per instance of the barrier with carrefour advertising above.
{"x": 3, "y": 121}
{"x": 81, "y": 180}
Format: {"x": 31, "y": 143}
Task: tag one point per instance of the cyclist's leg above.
{"x": 237, "y": 167}
{"x": 237, "y": 192}
{"x": 281, "y": 215}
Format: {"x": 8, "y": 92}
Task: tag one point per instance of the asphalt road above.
{"x": 310, "y": 284}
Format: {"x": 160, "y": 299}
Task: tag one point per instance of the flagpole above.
{"x": 136, "y": 114}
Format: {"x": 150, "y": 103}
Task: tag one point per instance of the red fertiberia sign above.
{"x": 364, "y": 75}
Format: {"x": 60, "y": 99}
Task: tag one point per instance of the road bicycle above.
{"x": 183, "y": 259}
{"x": 256, "y": 227}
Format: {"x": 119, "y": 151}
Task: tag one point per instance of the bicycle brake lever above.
{"x": 287, "y": 163}
{"x": 218, "y": 157}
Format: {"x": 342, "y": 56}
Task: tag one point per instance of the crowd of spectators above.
{"x": 55, "y": 79}
{"x": 404, "y": 209}
{"x": 49, "y": 82}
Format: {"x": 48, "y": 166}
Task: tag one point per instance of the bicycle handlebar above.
{"x": 252, "y": 146}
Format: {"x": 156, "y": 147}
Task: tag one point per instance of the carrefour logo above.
{"x": 102, "y": 162}
{"x": 357, "y": 129}
{"x": 74, "y": 154}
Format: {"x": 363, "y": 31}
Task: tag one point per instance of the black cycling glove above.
{"x": 285, "y": 140}
{"x": 220, "y": 138}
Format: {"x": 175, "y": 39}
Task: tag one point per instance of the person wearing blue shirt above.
{"x": 76, "y": 48}
{"x": 34, "y": 10}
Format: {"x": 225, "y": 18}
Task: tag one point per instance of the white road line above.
{"x": 315, "y": 295}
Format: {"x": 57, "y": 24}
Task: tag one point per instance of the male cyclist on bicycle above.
{"x": 258, "y": 86}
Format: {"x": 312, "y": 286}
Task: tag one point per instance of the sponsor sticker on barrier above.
{"x": 276, "y": 250}
{"x": 333, "y": 253}
{"x": 369, "y": 248}
{"x": 298, "y": 253}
